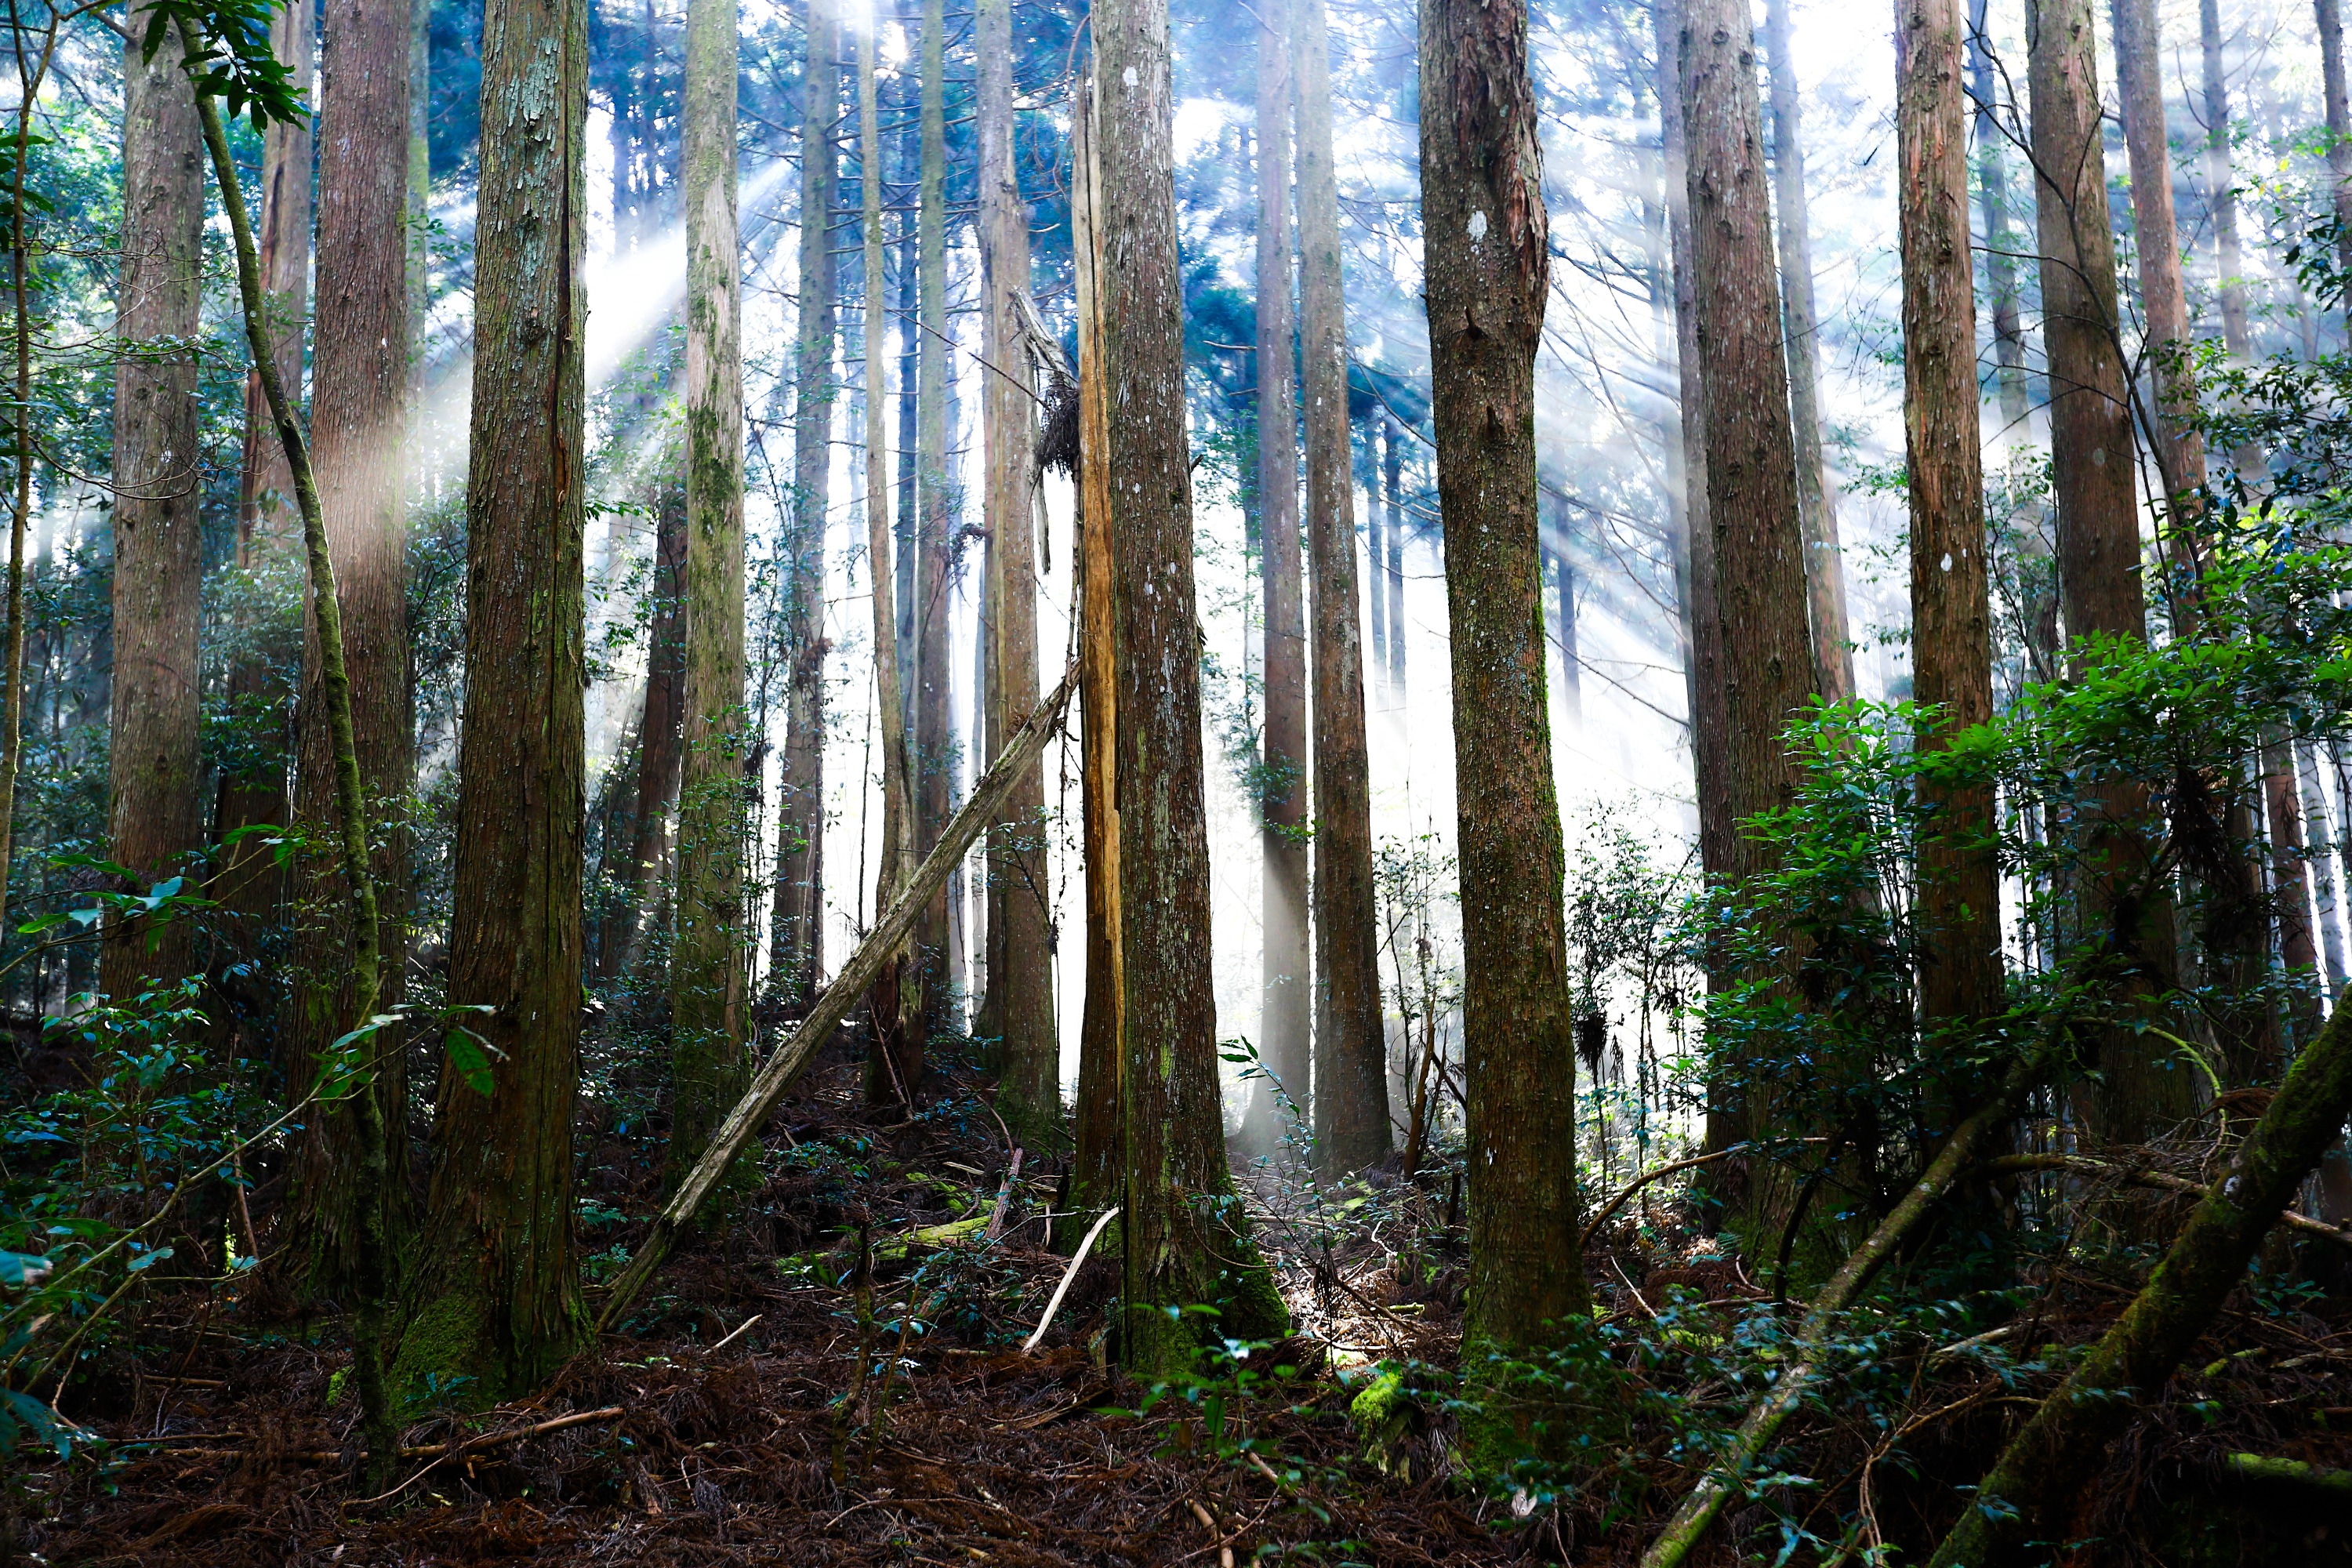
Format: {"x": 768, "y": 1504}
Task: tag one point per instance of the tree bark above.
{"x": 250, "y": 884}
{"x": 2220, "y": 185}
{"x": 934, "y": 762}
{"x": 1287, "y": 985}
{"x": 2164, "y": 305}
{"x": 1487, "y": 269}
{"x": 1185, "y": 1238}
{"x": 897, "y": 1044}
{"x": 2330, "y": 18}
{"x": 1816, "y": 503}
{"x": 1096, "y": 1172}
{"x": 1958, "y": 917}
{"x": 1021, "y": 972}
{"x": 2031, "y": 1488}
{"x": 1999, "y": 242}
{"x": 708, "y": 965}
{"x": 2291, "y": 896}
{"x": 659, "y": 731}
{"x": 153, "y": 817}
{"x": 496, "y": 1295}
{"x": 796, "y": 951}
{"x": 2322, "y": 846}
{"x": 2098, "y": 536}
{"x": 1351, "y": 1077}
{"x": 358, "y": 420}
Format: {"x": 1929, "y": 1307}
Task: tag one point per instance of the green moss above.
{"x": 442, "y": 1362}
{"x": 1551, "y": 1407}
{"x": 1384, "y": 1415}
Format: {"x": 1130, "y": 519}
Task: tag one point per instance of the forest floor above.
{"x": 727, "y": 1422}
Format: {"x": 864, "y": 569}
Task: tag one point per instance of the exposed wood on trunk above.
{"x": 497, "y": 1292}
{"x": 1816, "y": 501}
{"x": 1184, "y": 1236}
{"x": 1951, "y": 645}
{"x": 1487, "y": 268}
{"x": 153, "y": 815}
{"x": 1351, "y": 1079}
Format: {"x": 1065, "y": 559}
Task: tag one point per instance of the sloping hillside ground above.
{"x": 730, "y": 1422}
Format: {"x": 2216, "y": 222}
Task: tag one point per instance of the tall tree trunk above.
{"x": 1185, "y": 1239}
{"x": 1816, "y": 505}
{"x": 710, "y": 970}
{"x": 1286, "y": 991}
{"x": 934, "y": 550}
{"x": 1020, "y": 966}
{"x": 2291, "y": 894}
{"x": 1375, "y": 555}
{"x": 1488, "y": 272}
{"x": 2098, "y": 535}
{"x": 2163, "y": 303}
{"x": 659, "y": 731}
{"x": 358, "y": 420}
{"x": 250, "y": 885}
{"x": 1571, "y": 670}
{"x": 1710, "y": 723}
{"x": 420, "y": 187}
{"x": 1392, "y": 486}
{"x": 2220, "y": 185}
{"x": 153, "y": 817}
{"x": 2330, "y": 18}
{"x": 1958, "y": 912}
{"x": 796, "y": 951}
{"x": 897, "y": 1046}
{"x": 495, "y": 1296}
{"x": 2322, "y": 844}
{"x": 1351, "y": 1075}
{"x": 1758, "y": 576}
{"x": 1097, "y": 1173}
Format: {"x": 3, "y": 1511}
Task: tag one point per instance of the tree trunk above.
{"x": 1487, "y": 271}
{"x": 1096, "y": 1172}
{"x": 1375, "y": 555}
{"x": 359, "y": 403}
{"x": 1571, "y": 668}
{"x": 708, "y": 966}
{"x": 2291, "y": 895}
{"x": 2164, "y": 305}
{"x": 152, "y": 814}
{"x": 2220, "y": 186}
{"x": 250, "y": 884}
{"x": 896, "y": 1044}
{"x": 2322, "y": 846}
{"x": 1392, "y": 486}
{"x": 2032, "y": 1490}
{"x": 659, "y": 729}
{"x": 934, "y": 550}
{"x": 1711, "y": 725}
{"x": 2329, "y": 16}
{"x": 1285, "y": 993}
{"x": 2000, "y": 244}
{"x": 1351, "y": 1077}
{"x": 1816, "y": 505}
{"x": 495, "y": 1296}
{"x": 420, "y": 186}
{"x": 1021, "y": 972}
{"x": 796, "y": 950}
{"x": 1756, "y": 574}
{"x": 2098, "y": 536}
{"x": 1959, "y": 910}
{"x": 1185, "y": 1239}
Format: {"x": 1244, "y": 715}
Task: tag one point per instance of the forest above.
{"x": 1151, "y": 782}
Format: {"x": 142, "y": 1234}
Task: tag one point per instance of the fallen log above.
{"x": 2046, "y": 1466}
{"x": 2081, "y": 1164}
{"x": 856, "y": 977}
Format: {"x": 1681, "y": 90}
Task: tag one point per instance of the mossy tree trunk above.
{"x": 708, "y": 966}
{"x": 495, "y": 1294}
{"x": 1186, "y": 1241}
{"x": 1020, "y": 970}
{"x": 1487, "y": 272}
{"x": 796, "y": 950}
{"x": 1351, "y": 1079}
{"x": 359, "y": 417}
{"x": 154, "y": 814}
{"x": 1961, "y": 977}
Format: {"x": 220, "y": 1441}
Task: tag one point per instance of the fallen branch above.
{"x": 1600, "y": 1217}
{"x": 2015, "y": 1165}
{"x": 1054, "y": 1305}
{"x": 856, "y": 977}
{"x": 2322, "y": 1484}
{"x": 2046, "y": 1466}
{"x": 1727, "y": 1475}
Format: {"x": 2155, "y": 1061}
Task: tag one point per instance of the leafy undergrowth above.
{"x": 836, "y": 1377}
